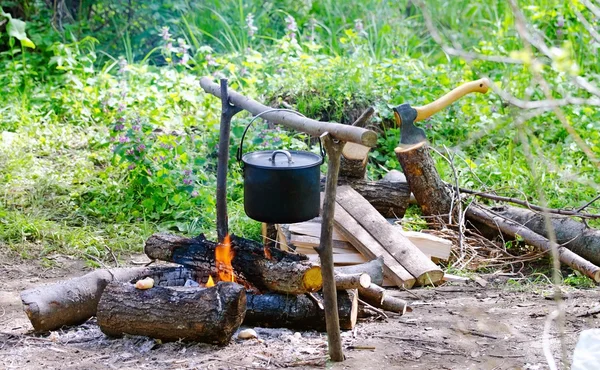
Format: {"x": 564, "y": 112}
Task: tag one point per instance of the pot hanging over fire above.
{"x": 281, "y": 186}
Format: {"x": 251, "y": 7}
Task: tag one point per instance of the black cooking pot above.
{"x": 281, "y": 186}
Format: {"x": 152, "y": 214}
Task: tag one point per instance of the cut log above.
{"x": 373, "y": 268}
{"x": 340, "y": 259}
{"x": 390, "y": 238}
{"x": 430, "y": 245}
{"x": 573, "y": 235}
{"x": 71, "y": 302}
{"x": 378, "y": 297}
{"x": 432, "y": 194}
{"x": 390, "y": 198}
{"x": 298, "y": 311}
{"x": 369, "y": 247}
{"x": 355, "y": 156}
{"x": 354, "y": 161}
{"x": 352, "y": 281}
{"x": 515, "y": 229}
{"x": 209, "y": 315}
{"x": 284, "y": 273}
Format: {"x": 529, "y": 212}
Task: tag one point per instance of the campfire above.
{"x": 216, "y": 286}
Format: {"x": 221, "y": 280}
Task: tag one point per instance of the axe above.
{"x": 406, "y": 116}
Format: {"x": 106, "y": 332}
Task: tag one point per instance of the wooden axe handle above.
{"x": 426, "y": 111}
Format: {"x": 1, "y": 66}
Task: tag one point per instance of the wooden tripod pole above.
{"x": 227, "y": 112}
{"x": 325, "y": 249}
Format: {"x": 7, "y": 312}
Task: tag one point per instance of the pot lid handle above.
{"x": 287, "y": 154}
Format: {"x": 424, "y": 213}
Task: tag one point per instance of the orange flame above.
{"x": 210, "y": 282}
{"x": 268, "y": 252}
{"x": 223, "y": 257}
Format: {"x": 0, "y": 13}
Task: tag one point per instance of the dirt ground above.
{"x": 452, "y": 327}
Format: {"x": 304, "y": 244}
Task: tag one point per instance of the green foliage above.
{"x": 107, "y": 136}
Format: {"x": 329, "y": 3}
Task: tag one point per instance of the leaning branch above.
{"x": 293, "y": 121}
{"x": 514, "y": 229}
{"x": 533, "y": 207}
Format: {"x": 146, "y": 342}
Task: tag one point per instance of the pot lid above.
{"x": 282, "y": 159}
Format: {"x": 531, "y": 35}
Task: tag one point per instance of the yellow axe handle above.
{"x": 426, "y": 111}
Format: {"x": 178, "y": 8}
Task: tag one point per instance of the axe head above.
{"x": 409, "y": 133}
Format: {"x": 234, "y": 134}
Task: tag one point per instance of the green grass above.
{"x": 97, "y": 152}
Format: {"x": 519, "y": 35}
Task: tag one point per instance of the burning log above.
{"x": 209, "y": 315}
{"x": 284, "y": 272}
{"x": 299, "y": 311}
{"x": 71, "y": 302}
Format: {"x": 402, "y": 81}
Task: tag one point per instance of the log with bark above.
{"x": 392, "y": 240}
{"x": 431, "y": 193}
{"x": 352, "y": 281}
{"x": 373, "y": 268}
{"x": 573, "y": 235}
{"x": 209, "y": 315}
{"x": 284, "y": 273}
{"x": 390, "y": 198}
{"x": 515, "y": 229}
{"x": 380, "y": 298}
{"x": 355, "y": 156}
{"x": 291, "y": 120}
{"x": 74, "y": 301}
{"x": 298, "y": 311}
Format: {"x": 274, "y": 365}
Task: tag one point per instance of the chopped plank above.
{"x": 313, "y": 229}
{"x": 311, "y": 241}
{"x": 354, "y": 160}
{"x": 431, "y": 245}
{"x": 390, "y": 238}
{"x": 311, "y": 250}
{"x": 341, "y": 259}
{"x": 370, "y": 247}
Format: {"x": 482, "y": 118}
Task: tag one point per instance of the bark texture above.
{"x": 424, "y": 180}
{"x": 299, "y": 311}
{"x": 372, "y": 268}
{"x": 291, "y": 120}
{"x": 390, "y": 198}
{"x": 71, "y": 302}
{"x": 392, "y": 240}
{"x": 573, "y": 235}
{"x": 512, "y": 228}
{"x": 284, "y": 272}
{"x": 208, "y": 315}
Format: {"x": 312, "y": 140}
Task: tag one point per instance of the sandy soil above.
{"x": 451, "y": 327}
